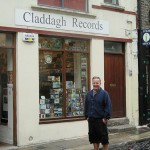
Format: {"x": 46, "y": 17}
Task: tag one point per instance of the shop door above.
{"x": 115, "y": 82}
{"x": 6, "y": 89}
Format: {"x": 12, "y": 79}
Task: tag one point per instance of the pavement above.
{"x": 138, "y": 139}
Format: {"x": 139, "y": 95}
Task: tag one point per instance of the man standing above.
{"x": 97, "y": 112}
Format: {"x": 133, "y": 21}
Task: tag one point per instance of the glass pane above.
{"x": 3, "y": 86}
{"x": 50, "y": 80}
{"x": 6, "y": 39}
{"x": 6, "y": 81}
{"x": 57, "y": 3}
{"x": 50, "y": 43}
{"x": 75, "y": 4}
{"x": 78, "y": 45}
{"x": 9, "y": 40}
{"x": 76, "y": 83}
{"x": 115, "y": 2}
{"x": 115, "y": 47}
{"x": 2, "y": 39}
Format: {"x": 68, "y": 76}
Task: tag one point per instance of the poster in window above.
{"x": 83, "y": 65}
{"x": 47, "y": 111}
{"x": 42, "y": 116}
{"x": 42, "y": 111}
{"x": 69, "y": 84}
{"x": 56, "y": 101}
{"x": 42, "y": 97}
{"x": 43, "y": 106}
{"x": 83, "y": 60}
{"x": 42, "y": 101}
{"x": 47, "y": 106}
{"x": 56, "y": 84}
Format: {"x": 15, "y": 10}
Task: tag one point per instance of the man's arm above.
{"x": 86, "y": 108}
{"x": 108, "y": 106}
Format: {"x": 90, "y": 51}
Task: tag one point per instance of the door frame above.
{"x": 14, "y": 93}
{"x": 124, "y": 69}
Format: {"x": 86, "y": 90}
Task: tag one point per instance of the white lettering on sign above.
{"x": 63, "y": 22}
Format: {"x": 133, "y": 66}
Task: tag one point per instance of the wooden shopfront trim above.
{"x": 71, "y": 35}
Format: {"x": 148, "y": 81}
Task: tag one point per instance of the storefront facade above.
{"x": 50, "y": 57}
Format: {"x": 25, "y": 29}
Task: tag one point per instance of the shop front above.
{"x": 48, "y": 57}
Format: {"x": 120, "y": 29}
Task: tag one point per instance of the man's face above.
{"x": 96, "y": 84}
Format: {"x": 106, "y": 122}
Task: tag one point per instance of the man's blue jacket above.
{"x": 98, "y": 106}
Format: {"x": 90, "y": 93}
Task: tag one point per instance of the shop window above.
{"x": 6, "y": 75}
{"x": 114, "y": 2}
{"x": 80, "y": 5}
{"x": 63, "y": 77}
{"x": 113, "y": 47}
{"x": 6, "y": 40}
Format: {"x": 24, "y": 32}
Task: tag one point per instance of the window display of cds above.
{"x": 63, "y": 77}
{"x": 52, "y": 106}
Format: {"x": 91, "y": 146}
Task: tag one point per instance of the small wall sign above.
{"x": 145, "y": 37}
{"x": 28, "y": 37}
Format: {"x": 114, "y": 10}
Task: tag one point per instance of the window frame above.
{"x": 62, "y": 6}
{"x": 116, "y": 2}
{"x": 113, "y": 43}
{"x": 64, "y": 52}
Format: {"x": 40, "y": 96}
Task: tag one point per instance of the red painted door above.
{"x": 114, "y": 77}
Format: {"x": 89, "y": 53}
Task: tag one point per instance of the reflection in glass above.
{"x": 76, "y": 83}
{"x": 78, "y": 45}
{"x": 50, "y": 43}
{"x": 6, "y": 39}
{"x": 114, "y": 47}
{"x": 51, "y": 93}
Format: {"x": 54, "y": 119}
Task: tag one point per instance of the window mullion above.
{"x": 62, "y": 2}
{"x": 87, "y": 6}
{"x": 64, "y": 83}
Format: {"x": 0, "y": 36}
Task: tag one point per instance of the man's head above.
{"x": 96, "y": 81}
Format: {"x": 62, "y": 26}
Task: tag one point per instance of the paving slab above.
{"x": 138, "y": 139}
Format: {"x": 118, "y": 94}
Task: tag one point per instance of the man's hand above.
{"x": 104, "y": 121}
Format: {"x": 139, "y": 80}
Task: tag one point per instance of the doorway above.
{"x": 7, "y": 88}
{"x": 114, "y": 76}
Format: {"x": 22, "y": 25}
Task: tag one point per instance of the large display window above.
{"x": 63, "y": 77}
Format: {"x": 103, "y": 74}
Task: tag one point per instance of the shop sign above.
{"x": 145, "y": 37}
{"x": 28, "y": 37}
{"x": 59, "y": 21}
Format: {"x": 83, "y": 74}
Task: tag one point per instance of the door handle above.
{"x": 112, "y": 84}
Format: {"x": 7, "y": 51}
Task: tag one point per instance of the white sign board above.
{"x": 28, "y": 37}
{"x": 58, "y": 21}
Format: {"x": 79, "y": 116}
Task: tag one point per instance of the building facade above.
{"x": 49, "y": 51}
{"x": 144, "y": 60}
